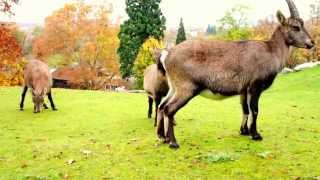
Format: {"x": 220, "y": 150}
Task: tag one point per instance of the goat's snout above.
{"x": 310, "y": 43}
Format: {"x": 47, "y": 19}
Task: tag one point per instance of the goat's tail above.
{"x": 160, "y": 56}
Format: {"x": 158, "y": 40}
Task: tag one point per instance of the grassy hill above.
{"x": 99, "y": 135}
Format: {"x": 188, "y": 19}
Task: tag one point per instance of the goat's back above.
{"x": 37, "y": 74}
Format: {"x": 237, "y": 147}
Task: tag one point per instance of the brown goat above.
{"x": 226, "y": 68}
{"x": 156, "y": 86}
{"x": 38, "y": 78}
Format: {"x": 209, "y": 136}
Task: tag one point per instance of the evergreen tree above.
{"x": 145, "y": 20}
{"x": 181, "y": 33}
{"x": 211, "y": 30}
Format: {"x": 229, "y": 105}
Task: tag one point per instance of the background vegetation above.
{"x": 83, "y": 36}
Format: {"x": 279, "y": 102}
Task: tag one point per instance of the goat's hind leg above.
{"x": 23, "y": 95}
{"x": 244, "y": 130}
{"x": 150, "y": 101}
{"x": 180, "y": 99}
{"x": 53, "y": 107}
{"x": 160, "y": 114}
{"x": 157, "y": 101}
{"x": 45, "y": 106}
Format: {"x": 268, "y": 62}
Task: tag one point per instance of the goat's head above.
{"x": 38, "y": 99}
{"x": 293, "y": 29}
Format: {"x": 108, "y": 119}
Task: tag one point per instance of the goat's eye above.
{"x": 296, "y": 28}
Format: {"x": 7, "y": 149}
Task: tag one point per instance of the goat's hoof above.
{"x": 257, "y": 137}
{"x": 244, "y": 131}
{"x": 161, "y": 137}
{"x": 54, "y": 109}
{"x": 36, "y": 112}
{"x": 174, "y": 145}
{"x": 166, "y": 141}
{"x": 21, "y": 109}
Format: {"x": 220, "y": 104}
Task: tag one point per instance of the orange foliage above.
{"x": 264, "y": 29}
{"x": 81, "y": 34}
{"x": 10, "y": 59}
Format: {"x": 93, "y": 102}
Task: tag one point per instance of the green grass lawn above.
{"x": 99, "y": 135}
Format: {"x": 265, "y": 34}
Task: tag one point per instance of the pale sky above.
{"x": 196, "y": 13}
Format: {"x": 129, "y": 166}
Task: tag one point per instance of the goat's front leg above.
{"x": 253, "y": 103}
{"x": 244, "y": 130}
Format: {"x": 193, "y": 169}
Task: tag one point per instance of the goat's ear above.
{"x": 281, "y": 17}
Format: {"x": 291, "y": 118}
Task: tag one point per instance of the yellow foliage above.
{"x": 145, "y": 58}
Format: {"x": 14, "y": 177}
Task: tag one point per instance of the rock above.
{"x": 286, "y": 70}
{"x": 121, "y": 89}
{"x": 306, "y": 66}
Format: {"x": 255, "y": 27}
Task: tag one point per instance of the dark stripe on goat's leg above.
{"x": 245, "y": 114}
{"x": 23, "y": 95}
{"x": 150, "y": 100}
{"x": 254, "y": 109}
{"x": 51, "y": 102}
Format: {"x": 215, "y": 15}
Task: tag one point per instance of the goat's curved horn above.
{"x": 293, "y": 9}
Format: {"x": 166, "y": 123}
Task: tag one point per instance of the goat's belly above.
{"x": 210, "y": 95}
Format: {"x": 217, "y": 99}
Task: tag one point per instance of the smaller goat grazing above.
{"x": 38, "y": 78}
{"x": 156, "y": 86}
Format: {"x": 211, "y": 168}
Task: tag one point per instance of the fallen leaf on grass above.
{"x": 266, "y": 155}
{"x": 71, "y": 161}
{"x": 217, "y": 157}
{"x": 108, "y": 146}
{"x": 24, "y": 165}
{"x": 86, "y": 152}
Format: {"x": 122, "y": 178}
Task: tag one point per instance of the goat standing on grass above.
{"x": 156, "y": 86}
{"x": 221, "y": 69}
{"x": 38, "y": 78}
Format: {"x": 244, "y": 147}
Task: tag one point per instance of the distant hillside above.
{"x": 27, "y": 25}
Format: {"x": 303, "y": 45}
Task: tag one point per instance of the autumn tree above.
{"x": 10, "y": 59}
{"x": 145, "y": 20}
{"x": 79, "y": 33}
{"x": 145, "y": 58}
{"x": 264, "y": 29}
{"x": 61, "y": 32}
{"x": 181, "y": 36}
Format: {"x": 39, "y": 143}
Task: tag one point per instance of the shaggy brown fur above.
{"x": 38, "y": 78}
{"x": 227, "y": 68}
{"x": 156, "y": 86}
